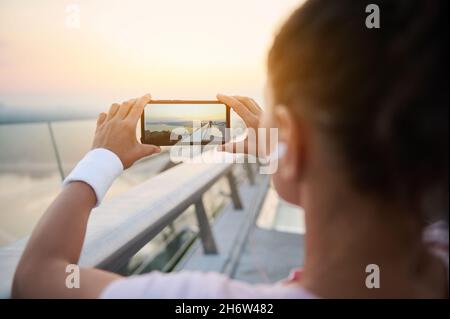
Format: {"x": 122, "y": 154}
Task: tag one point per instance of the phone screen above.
{"x": 168, "y": 123}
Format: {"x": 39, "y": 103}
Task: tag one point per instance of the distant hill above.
{"x": 171, "y": 123}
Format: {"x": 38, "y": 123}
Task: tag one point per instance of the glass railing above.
{"x": 36, "y": 156}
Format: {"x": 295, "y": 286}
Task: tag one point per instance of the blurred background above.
{"x": 63, "y": 62}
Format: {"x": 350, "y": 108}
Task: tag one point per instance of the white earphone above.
{"x": 279, "y": 152}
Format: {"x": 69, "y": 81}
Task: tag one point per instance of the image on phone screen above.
{"x": 166, "y": 123}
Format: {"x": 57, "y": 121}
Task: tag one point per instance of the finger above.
{"x": 256, "y": 105}
{"x": 238, "y": 107}
{"x": 125, "y": 108}
{"x": 112, "y": 111}
{"x": 101, "y": 118}
{"x": 147, "y": 150}
{"x": 138, "y": 108}
{"x": 240, "y": 147}
{"x": 250, "y": 104}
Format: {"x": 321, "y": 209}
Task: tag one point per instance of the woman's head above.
{"x": 379, "y": 97}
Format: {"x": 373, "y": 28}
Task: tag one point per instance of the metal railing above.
{"x": 114, "y": 260}
{"x": 121, "y": 226}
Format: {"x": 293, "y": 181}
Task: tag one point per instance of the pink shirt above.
{"x": 192, "y": 284}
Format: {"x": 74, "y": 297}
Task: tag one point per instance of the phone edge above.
{"x": 227, "y": 113}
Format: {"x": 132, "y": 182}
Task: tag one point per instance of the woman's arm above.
{"x": 58, "y": 238}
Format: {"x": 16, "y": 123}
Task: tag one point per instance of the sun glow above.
{"x": 170, "y": 48}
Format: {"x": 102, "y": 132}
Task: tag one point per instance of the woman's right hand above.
{"x": 116, "y": 131}
{"x": 250, "y": 112}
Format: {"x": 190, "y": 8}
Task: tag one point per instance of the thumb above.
{"x": 147, "y": 149}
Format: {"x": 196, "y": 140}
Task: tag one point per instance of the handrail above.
{"x": 121, "y": 226}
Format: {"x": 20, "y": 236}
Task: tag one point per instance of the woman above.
{"x": 363, "y": 114}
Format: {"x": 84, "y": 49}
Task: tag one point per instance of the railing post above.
{"x": 250, "y": 174}
{"x": 55, "y": 149}
{"x": 206, "y": 235}
{"x": 234, "y": 191}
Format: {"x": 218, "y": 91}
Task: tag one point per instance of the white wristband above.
{"x": 99, "y": 168}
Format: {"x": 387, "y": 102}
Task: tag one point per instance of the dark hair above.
{"x": 381, "y": 94}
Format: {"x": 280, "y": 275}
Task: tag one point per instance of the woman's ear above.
{"x": 289, "y": 133}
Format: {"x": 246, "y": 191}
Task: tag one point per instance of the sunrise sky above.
{"x": 185, "y": 112}
{"x": 171, "y": 49}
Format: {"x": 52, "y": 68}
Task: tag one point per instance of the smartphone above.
{"x": 184, "y": 122}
